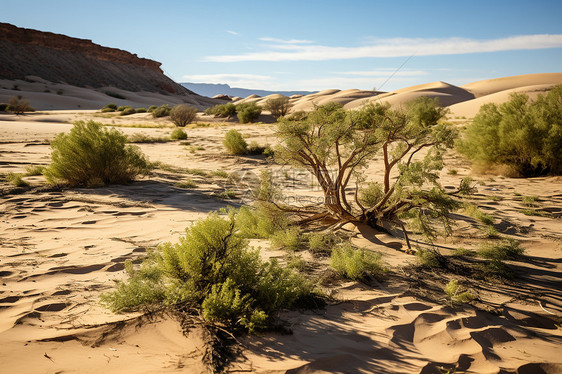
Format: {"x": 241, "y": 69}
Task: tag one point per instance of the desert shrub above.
{"x": 455, "y": 293}
{"x": 110, "y": 106}
{"x": 429, "y": 258}
{"x": 144, "y": 138}
{"x": 220, "y": 174}
{"x": 188, "y": 183}
{"x": 475, "y": 212}
{"x": 521, "y": 134}
{"x": 212, "y": 270}
{"x": 290, "y": 238}
{"x": 161, "y": 111}
{"x": 92, "y": 155}
{"x": 356, "y": 263}
{"x": 33, "y": 170}
{"x": 182, "y": 114}
{"x": 255, "y": 149}
{"x": 140, "y": 110}
{"x": 323, "y": 242}
{"x": 278, "y": 107}
{"x": 248, "y": 112}
{"x": 16, "y": 179}
{"x": 3, "y": 107}
{"x": 151, "y": 108}
{"x": 222, "y": 111}
{"x": 107, "y": 110}
{"x": 235, "y": 143}
{"x": 19, "y": 105}
{"x": 178, "y": 134}
{"x": 260, "y": 221}
{"x": 371, "y": 194}
{"x": 121, "y": 108}
{"x": 127, "y": 111}
{"x": 504, "y": 250}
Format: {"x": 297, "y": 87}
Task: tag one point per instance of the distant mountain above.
{"x": 210, "y": 90}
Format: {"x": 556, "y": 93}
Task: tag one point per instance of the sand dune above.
{"x": 490, "y": 86}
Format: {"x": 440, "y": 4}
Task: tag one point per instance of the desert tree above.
{"x": 336, "y": 146}
{"x": 19, "y": 105}
{"x": 182, "y": 115}
{"x": 278, "y": 107}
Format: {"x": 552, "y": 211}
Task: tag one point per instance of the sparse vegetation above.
{"x": 34, "y": 170}
{"x": 222, "y": 111}
{"x": 127, "y": 111}
{"x": 91, "y": 155}
{"x": 19, "y": 105}
{"x": 475, "y": 212}
{"x": 290, "y": 238}
{"x": 456, "y": 295}
{"x": 178, "y": 134}
{"x": 357, "y": 264}
{"x": 235, "y": 143}
{"x": 507, "y": 249}
{"x": 161, "y": 111}
{"x": 182, "y": 115}
{"x": 278, "y": 107}
{"x": 188, "y": 183}
{"x": 248, "y": 112}
{"x": 16, "y": 179}
{"x": 144, "y": 138}
{"x": 521, "y": 134}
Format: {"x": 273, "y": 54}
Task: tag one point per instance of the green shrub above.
{"x": 110, "y": 106}
{"x": 429, "y": 258}
{"x": 212, "y": 271}
{"x": 182, "y": 115}
{"x": 278, "y": 107}
{"x": 127, "y": 111}
{"x": 16, "y": 179}
{"x": 178, "y": 134}
{"x": 290, "y": 238}
{"x": 323, "y": 242}
{"x": 144, "y": 138}
{"x": 235, "y": 143}
{"x": 357, "y": 264}
{"x": 220, "y": 174}
{"x": 91, "y": 155}
{"x": 475, "y": 212}
{"x": 188, "y": 183}
{"x": 19, "y": 105}
{"x": 371, "y": 195}
{"x": 456, "y": 295}
{"x": 222, "y": 111}
{"x": 521, "y": 134}
{"x": 121, "y": 108}
{"x": 255, "y": 149}
{"x": 162, "y": 111}
{"x": 151, "y": 108}
{"x": 140, "y": 110}
{"x": 248, "y": 112}
{"x": 107, "y": 110}
{"x": 33, "y": 170}
{"x": 506, "y": 249}
{"x": 261, "y": 221}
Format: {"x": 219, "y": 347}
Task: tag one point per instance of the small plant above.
{"x": 261, "y": 221}
{"x": 456, "y": 295}
{"x": 463, "y": 252}
{"x": 248, "y": 112}
{"x": 91, "y": 155}
{"x": 278, "y": 107}
{"x": 371, "y": 194}
{"x": 182, "y": 115}
{"x": 188, "y": 183}
{"x": 151, "y": 108}
{"x": 162, "y": 111}
{"x": 429, "y": 258}
{"x": 235, "y": 143}
{"x": 110, "y": 106}
{"x": 452, "y": 172}
{"x": 19, "y": 105}
{"x": 178, "y": 134}
{"x": 107, "y": 110}
{"x": 16, "y": 179}
{"x": 220, "y": 174}
{"x": 34, "y": 170}
{"x": 357, "y": 264}
{"x": 290, "y": 239}
{"x": 140, "y": 110}
{"x": 506, "y": 249}
{"x": 530, "y": 201}
{"x": 323, "y": 242}
{"x": 255, "y": 149}
{"x": 222, "y": 111}
{"x": 127, "y": 111}
{"x": 227, "y": 194}
{"x": 475, "y": 212}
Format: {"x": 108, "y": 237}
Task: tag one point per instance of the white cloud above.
{"x": 385, "y": 73}
{"x": 285, "y": 51}
{"x": 284, "y": 41}
{"x": 232, "y": 32}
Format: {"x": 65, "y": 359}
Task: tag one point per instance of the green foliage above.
{"x": 107, "y": 110}
{"x": 188, "y": 183}
{"x": 19, "y": 105}
{"x": 463, "y": 252}
{"x": 357, "y": 264}
{"x": 121, "y": 108}
{"x": 323, "y": 242}
{"x": 212, "y": 270}
{"x": 371, "y": 195}
{"x": 162, "y": 111}
{"x": 235, "y": 143}
{"x": 220, "y": 174}
{"x": 524, "y": 135}
{"x": 506, "y": 249}
{"x": 178, "y": 134}
{"x": 127, "y": 111}
{"x": 32, "y": 170}
{"x": 16, "y": 179}
{"x": 290, "y": 239}
{"x": 456, "y": 295}
{"x": 278, "y": 107}
{"x": 429, "y": 258}
{"x": 261, "y": 221}
{"x": 91, "y": 155}
{"x": 475, "y": 212}
{"x": 248, "y": 112}
{"x": 222, "y": 111}
{"x": 182, "y": 115}
{"x": 255, "y": 149}
{"x": 140, "y": 110}
{"x": 110, "y": 106}
{"x": 151, "y": 108}
{"x": 144, "y": 138}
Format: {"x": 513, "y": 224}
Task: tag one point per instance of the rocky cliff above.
{"x": 78, "y": 62}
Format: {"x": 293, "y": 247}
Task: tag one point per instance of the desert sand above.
{"x": 61, "y": 248}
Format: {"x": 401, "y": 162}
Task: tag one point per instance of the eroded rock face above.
{"x": 78, "y": 62}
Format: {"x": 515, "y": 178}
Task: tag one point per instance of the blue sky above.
{"x": 315, "y": 45}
